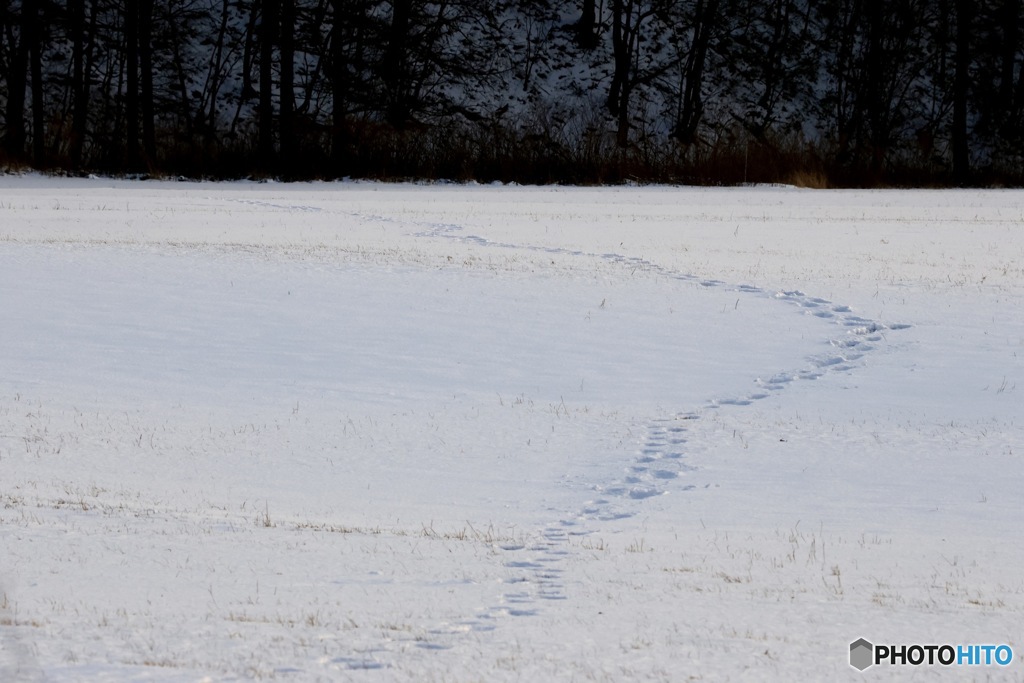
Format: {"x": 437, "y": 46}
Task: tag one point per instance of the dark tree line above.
{"x": 855, "y": 91}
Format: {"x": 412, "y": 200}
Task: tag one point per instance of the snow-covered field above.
{"x": 443, "y": 433}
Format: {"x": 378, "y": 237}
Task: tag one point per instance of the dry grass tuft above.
{"x": 814, "y": 180}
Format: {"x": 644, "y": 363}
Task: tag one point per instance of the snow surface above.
{"x": 415, "y": 432}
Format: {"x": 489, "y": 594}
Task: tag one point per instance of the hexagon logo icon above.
{"x": 861, "y": 654}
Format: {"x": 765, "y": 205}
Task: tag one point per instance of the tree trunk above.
{"x": 146, "y": 79}
{"x": 622, "y": 56}
{"x": 207, "y": 119}
{"x": 79, "y": 86}
{"x": 17, "y": 81}
{"x": 875, "y": 85}
{"x": 586, "y": 27}
{"x": 339, "y": 88}
{"x": 287, "y": 123}
{"x": 961, "y": 86}
{"x": 131, "y": 99}
{"x": 1007, "y": 82}
{"x": 38, "y": 115}
{"x": 398, "y": 108}
{"x": 268, "y": 34}
{"x": 692, "y": 110}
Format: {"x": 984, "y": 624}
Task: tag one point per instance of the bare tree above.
{"x": 17, "y": 79}
{"x": 395, "y": 69}
{"x": 587, "y": 35}
{"x": 770, "y": 65}
{"x": 629, "y": 18}
{"x": 961, "y": 86}
{"x": 145, "y": 36}
{"x": 287, "y": 87}
{"x": 35, "y": 38}
{"x": 81, "y": 66}
{"x": 268, "y": 35}
{"x": 691, "y": 107}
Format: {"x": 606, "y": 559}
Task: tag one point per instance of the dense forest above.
{"x": 832, "y": 92}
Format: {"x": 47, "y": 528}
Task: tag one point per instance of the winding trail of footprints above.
{"x": 535, "y": 574}
{"x": 534, "y": 571}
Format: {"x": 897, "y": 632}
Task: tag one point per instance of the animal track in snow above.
{"x": 271, "y": 205}
{"x": 658, "y": 466}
